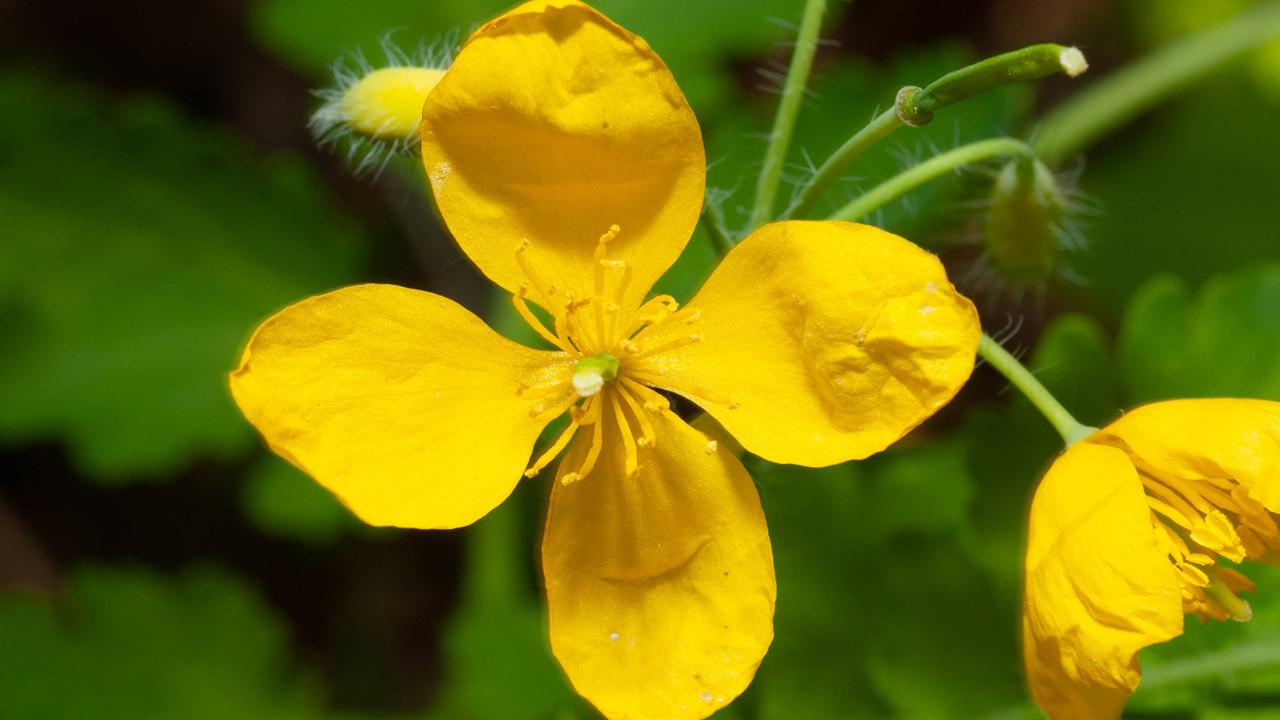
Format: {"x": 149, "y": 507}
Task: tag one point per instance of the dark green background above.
{"x": 159, "y": 196}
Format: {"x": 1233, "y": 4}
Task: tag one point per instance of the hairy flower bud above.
{"x": 375, "y": 112}
{"x": 1025, "y": 225}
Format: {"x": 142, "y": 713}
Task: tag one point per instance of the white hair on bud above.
{"x": 330, "y": 124}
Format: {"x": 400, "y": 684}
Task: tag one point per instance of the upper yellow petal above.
{"x": 1098, "y": 586}
{"x": 660, "y": 586}
{"x": 400, "y": 402}
{"x": 1220, "y": 438}
{"x": 552, "y": 125}
{"x": 820, "y": 342}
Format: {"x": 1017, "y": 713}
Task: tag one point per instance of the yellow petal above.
{"x": 821, "y": 342}
{"x": 552, "y": 125}
{"x": 400, "y": 402}
{"x": 1220, "y": 438}
{"x": 660, "y": 587}
{"x": 1098, "y": 586}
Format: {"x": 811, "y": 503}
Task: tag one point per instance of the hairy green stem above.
{"x": 1020, "y": 377}
{"x": 1124, "y": 95}
{"x": 713, "y": 221}
{"x": 784, "y": 123}
{"x": 914, "y": 106}
{"x": 931, "y": 169}
{"x": 873, "y": 132}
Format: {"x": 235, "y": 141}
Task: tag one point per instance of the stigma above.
{"x": 591, "y": 373}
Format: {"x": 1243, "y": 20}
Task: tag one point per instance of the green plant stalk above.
{"x": 784, "y": 123}
{"x": 914, "y": 107}
{"x": 1124, "y": 95}
{"x": 931, "y": 169}
{"x": 873, "y": 132}
{"x": 493, "y": 575}
{"x": 1020, "y": 377}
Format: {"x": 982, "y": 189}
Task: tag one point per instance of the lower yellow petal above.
{"x": 820, "y": 342}
{"x": 660, "y": 586}
{"x": 1221, "y": 438}
{"x": 1098, "y": 586}
{"x": 402, "y": 403}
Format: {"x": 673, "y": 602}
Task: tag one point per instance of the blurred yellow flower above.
{"x": 1129, "y": 530}
{"x": 570, "y": 169}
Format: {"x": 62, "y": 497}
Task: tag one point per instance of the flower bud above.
{"x": 1023, "y": 236}
{"x": 375, "y": 112}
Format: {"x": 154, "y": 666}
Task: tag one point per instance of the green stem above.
{"x": 878, "y": 129}
{"x": 1124, "y": 95}
{"x": 931, "y": 169}
{"x": 713, "y": 221}
{"x": 1016, "y": 373}
{"x": 914, "y": 106}
{"x": 494, "y": 573}
{"x": 784, "y": 124}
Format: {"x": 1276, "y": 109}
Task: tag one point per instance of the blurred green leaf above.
{"x": 1219, "y": 663}
{"x": 1073, "y": 359}
{"x": 134, "y": 644}
{"x": 138, "y": 252}
{"x": 1223, "y": 341}
{"x": 282, "y": 500}
{"x": 1183, "y": 193}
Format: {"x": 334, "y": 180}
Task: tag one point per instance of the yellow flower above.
{"x": 569, "y": 167}
{"x": 1129, "y": 530}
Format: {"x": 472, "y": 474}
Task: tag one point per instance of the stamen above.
{"x": 647, "y": 436}
{"x": 703, "y": 395}
{"x": 533, "y": 322}
{"x": 654, "y": 311}
{"x": 597, "y": 440}
{"x": 632, "y": 460}
{"x": 560, "y": 443}
{"x": 598, "y": 267}
{"x": 546, "y": 291}
{"x": 619, "y": 294}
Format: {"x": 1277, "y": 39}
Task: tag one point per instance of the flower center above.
{"x": 590, "y": 374}
{"x": 603, "y": 336}
{"x": 1200, "y": 522}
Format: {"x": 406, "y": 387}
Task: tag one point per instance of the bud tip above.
{"x": 1073, "y": 61}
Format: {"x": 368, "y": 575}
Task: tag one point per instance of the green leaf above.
{"x": 138, "y": 252}
{"x": 282, "y": 500}
{"x": 1222, "y": 342}
{"x": 135, "y": 644}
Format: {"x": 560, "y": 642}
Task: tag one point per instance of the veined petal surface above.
{"x": 1222, "y": 438}
{"x": 821, "y": 342}
{"x": 660, "y": 586}
{"x": 1098, "y": 586}
{"x": 552, "y": 125}
{"x": 400, "y": 402}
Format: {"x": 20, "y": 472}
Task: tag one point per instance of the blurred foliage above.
{"x": 139, "y": 251}
{"x": 134, "y": 644}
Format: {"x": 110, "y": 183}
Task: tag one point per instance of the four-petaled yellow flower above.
{"x": 1129, "y": 530}
{"x": 570, "y": 169}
